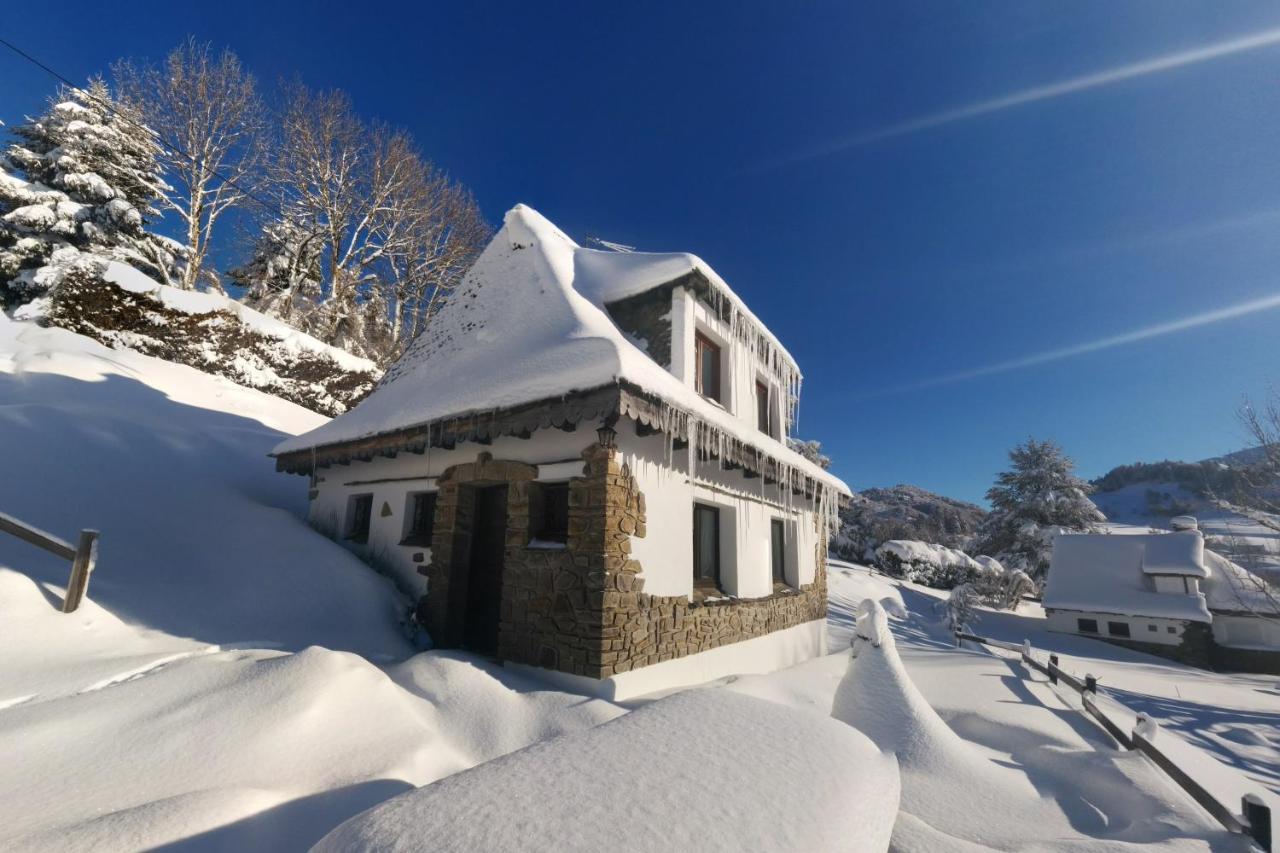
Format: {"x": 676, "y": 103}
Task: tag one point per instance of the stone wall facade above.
{"x": 582, "y": 609}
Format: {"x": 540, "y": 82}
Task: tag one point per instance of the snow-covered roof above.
{"x": 529, "y": 324}
{"x": 1107, "y": 573}
{"x": 1232, "y": 588}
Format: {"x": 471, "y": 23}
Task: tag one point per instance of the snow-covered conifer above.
{"x": 81, "y": 177}
{"x": 1036, "y": 499}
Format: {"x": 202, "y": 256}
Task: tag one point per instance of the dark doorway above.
{"x": 484, "y": 576}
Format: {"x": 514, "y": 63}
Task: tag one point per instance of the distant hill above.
{"x": 903, "y": 512}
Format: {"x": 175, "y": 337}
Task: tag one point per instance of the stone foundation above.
{"x": 582, "y": 609}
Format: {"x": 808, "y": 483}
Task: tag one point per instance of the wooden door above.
{"x": 484, "y": 580}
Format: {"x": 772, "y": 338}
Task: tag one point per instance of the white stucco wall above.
{"x": 391, "y": 481}
{"x": 747, "y": 507}
{"x": 1142, "y": 629}
{"x": 1249, "y": 632}
{"x": 769, "y": 653}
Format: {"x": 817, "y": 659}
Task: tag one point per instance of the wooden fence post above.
{"x": 1091, "y": 683}
{"x": 81, "y": 566}
{"x": 1257, "y": 815}
{"x": 1053, "y": 669}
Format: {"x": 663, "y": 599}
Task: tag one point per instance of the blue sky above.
{"x": 970, "y": 222}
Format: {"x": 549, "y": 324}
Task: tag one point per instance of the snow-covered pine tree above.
{"x": 1037, "y": 498}
{"x": 81, "y": 179}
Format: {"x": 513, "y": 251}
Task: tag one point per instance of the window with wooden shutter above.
{"x": 706, "y": 546}
{"x": 708, "y": 367}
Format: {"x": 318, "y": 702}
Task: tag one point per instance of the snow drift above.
{"x": 661, "y": 778}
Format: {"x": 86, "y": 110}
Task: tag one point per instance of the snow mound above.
{"x": 940, "y": 770}
{"x": 661, "y": 778}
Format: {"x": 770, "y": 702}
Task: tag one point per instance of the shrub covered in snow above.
{"x": 925, "y": 563}
{"x": 208, "y": 332}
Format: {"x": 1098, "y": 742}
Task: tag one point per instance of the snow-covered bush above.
{"x": 999, "y": 587}
{"x": 222, "y": 337}
{"x": 922, "y": 562}
{"x": 962, "y": 605}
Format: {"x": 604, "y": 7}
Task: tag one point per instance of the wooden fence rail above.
{"x": 83, "y": 557}
{"x": 1255, "y": 817}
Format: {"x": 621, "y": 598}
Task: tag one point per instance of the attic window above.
{"x": 708, "y": 367}
{"x": 1087, "y": 626}
{"x": 1118, "y": 629}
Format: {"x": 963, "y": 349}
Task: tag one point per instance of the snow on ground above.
{"x": 206, "y": 696}
{"x": 200, "y": 537}
{"x": 665, "y": 777}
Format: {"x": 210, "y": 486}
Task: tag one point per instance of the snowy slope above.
{"x": 200, "y": 537}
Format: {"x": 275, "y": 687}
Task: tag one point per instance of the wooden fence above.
{"x": 83, "y": 556}
{"x": 1255, "y": 817}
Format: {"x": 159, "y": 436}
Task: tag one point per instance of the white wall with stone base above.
{"x": 768, "y": 653}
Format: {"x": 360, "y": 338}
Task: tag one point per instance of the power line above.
{"x": 172, "y": 148}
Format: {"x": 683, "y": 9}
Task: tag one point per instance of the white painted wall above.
{"x": 747, "y": 507}
{"x": 1246, "y": 632}
{"x": 1142, "y": 629}
{"x": 557, "y": 454}
{"x": 769, "y": 653}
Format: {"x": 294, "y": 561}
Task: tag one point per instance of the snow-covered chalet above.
{"x": 1163, "y": 593}
{"x": 583, "y": 467}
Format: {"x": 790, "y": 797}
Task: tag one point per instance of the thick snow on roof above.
{"x": 664, "y": 777}
{"x": 522, "y": 327}
{"x": 1234, "y": 588}
{"x": 1107, "y": 573}
{"x": 606, "y": 277}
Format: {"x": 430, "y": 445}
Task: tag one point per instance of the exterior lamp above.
{"x": 607, "y": 434}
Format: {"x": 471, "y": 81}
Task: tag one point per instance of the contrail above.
{"x": 1145, "y": 333}
{"x": 1155, "y": 65}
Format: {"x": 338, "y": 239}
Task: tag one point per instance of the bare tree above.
{"x": 1260, "y": 490}
{"x": 206, "y": 111}
{"x": 394, "y": 233}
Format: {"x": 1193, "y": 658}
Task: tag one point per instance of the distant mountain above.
{"x": 903, "y": 512}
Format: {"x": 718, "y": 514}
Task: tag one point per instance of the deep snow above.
{"x": 206, "y": 696}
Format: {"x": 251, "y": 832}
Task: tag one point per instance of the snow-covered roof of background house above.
{"x": 528, "y": 323}
{"x": 1106, "y": 573}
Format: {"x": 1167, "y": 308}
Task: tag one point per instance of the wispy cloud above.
{"x": 1144, "y": 333}
{"x": 1098, "y": 79}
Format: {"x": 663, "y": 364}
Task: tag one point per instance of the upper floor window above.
{"x": 763, "y": 421}
{"x": 708, "y": 367}
{"x": 421, "y": 519}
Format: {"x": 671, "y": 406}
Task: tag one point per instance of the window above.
{"x": 708, "y": 367}
{"x": 421, "y": 519}
{"x": 1087, "y": 626}
{"x": 763, "y": 421}
{"x": 706, "y": 546}
{"x": 549, "y": 512}
{"x": 359, "y": 511}
{"x": 778, "y": 537}
{"x": 1151, "y": 627}
{"x": 1118, "y": 629}
{"x": 1172, "y": 630}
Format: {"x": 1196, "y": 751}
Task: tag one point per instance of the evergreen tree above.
{"x": 282, "y": 277}
{"x": 1037, "y": 498}
{"x": 79, "y": 180}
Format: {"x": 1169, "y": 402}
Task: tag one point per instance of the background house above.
{"x": 1165, "y": 593}
{"x": 582, "y": 467}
